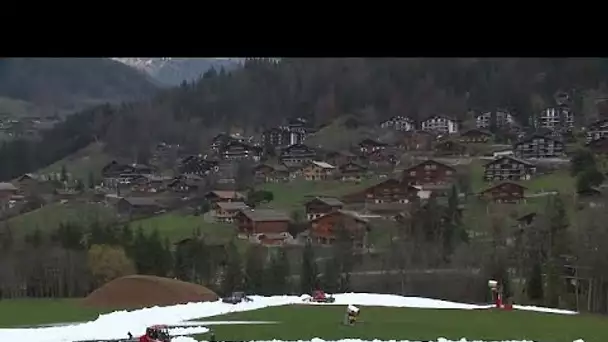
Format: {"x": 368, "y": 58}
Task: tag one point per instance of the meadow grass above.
{"x": 177, "y": 226}
{"x": 49, "y": 217}
{"x": 27, "y": 312}
{"x": 303, "y": 322}
{"x": 293, "y": 195}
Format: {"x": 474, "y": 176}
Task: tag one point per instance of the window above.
{"x": 412, "y": 173}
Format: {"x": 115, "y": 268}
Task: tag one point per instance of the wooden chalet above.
{"x": 237, "y": 150}
{"x": 416, "y": 141}
{"x": 297, "y": 155}
{"x": 262, "y": 221}
{"x": 508, "y": 168}
{"x": 320, "y": 206}
{"x": 225, "y": 212}
{"x": 135, "y": 206}
{"x": 197, "y": 165}
{"x": 450, "y": 148}
{"x": 368, "y": 146}
{"x": 318, "y": 170}
{"x": 186, "y": 183}
{"x": 325, "y": 229}
{"x": 539, "y": 146}
{"x": 352, "y": 172}
{"x": 340, "y": 157}
{"x": 475, "y": 136}
{"x": 504, "y": 192}
{"x": 390, "y": 191}
{"x": 599, "y": 145}
{"x": 429, "y": 172}
{"x": 224, "y": 196}
{"x": 597, "y": 130}
{"x": 115, "y": 169}
{"x": 271, "y": 173}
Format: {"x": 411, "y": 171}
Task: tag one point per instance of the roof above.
{"x": 502, "y": 184}
{"x": 8, "y": 186}
{"x": 227, "y": 194}
{"x": 323, "y": 165}
{"x": 331, "y": 201}
{"x": 512, "y": 158}
{"x": 232, "y": 205}
{"x": 265, "y": 215}
{"x": 141, "y": 201}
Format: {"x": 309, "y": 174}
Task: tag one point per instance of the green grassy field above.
{"x": 292, "y": 196}
{"x": 49, "y": 217}
{"x": 299, "y": 322}
{"x": 303, "y": 322}
{"x": 25, "y": 312}
{"x": 89, "y": 159}
{"x": 178, "y": 226}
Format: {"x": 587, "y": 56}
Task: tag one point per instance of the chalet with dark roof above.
{"x": 225, "y": 212}
{"x": 197, "y": 165}
{"x": 271, "y": 173}
{"x": 538, "y": 146}
{"x": 136, "y": 206}
{"x": 236, "y": 150}
{"x": 504, "y": 192}
{"x": 368, "y": 146}
{"x": 416, "y": 141}
{"x": 599, "y": 145}
{"x": 352, "y": 172}
{"x": 297, "y": 155}
{"x": 224, "y": 196}
{"x": 262, "y": 221}
{"x": 429, "y": 172}
{"x": 340, "y": 157}
{"x": 325, "y": 229}
{"x": 508, "y": 168}
{"x": 186, "y": 183}
{"x": 390, "y": 191}
{"x": 450, "y": 147}
{"x": 320, "y": 206}
{"x": 597, "y": 130}
{"x": 475, "y": 136}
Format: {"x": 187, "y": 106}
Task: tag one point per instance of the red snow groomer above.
{"x": 156, "y": 333}
{"x": 319, "y": 296}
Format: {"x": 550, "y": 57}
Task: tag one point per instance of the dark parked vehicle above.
{"x": 236, "y": 298}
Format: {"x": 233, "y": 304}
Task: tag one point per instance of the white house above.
{"x": 440, "y": 124}
{"x": 555, "y": 118}
{"x": 399, "y": 123}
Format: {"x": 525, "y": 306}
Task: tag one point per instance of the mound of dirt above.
{"x": 138, "y": 291}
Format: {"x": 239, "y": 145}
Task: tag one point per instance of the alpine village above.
{"x": 379, "y": 175}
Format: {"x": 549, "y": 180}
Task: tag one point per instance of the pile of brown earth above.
{"x": 138, "y": 291}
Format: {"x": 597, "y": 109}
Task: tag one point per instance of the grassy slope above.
{"x": 90, "y": 159}
{"x": 291, "y": 196}
{"x": 305, "y": 322}
{"x": 49, "y": 217}
{"x": 177, "y": 226}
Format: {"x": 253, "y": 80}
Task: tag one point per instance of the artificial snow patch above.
{"x": 117, "y": 325}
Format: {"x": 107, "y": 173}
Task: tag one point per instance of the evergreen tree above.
{"x": 534, "y": 283}
{"x": 254, "y": 270}
{"x": 233, "y": 272}
{"x": 309, "y": 273}
{"x": 64, "y": 174}
{"x": 558, "y": 247}
{"x": 277, "y": 273}
{"x": 91, "y": 180}
{"x": 330, "y": 278}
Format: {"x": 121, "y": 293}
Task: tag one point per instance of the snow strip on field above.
{"x": 188, "y": 339}
{"x": 117, "y": 324}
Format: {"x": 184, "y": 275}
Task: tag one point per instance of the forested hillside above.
{"x": 265, "y": 92}
{"x": 71, "y": 83}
